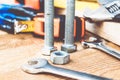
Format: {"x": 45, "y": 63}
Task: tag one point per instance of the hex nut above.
{"x": 59, "y": 57}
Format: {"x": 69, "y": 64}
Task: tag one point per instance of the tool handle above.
{"x": 109, "y": 51}
{"x": 73, "y": 74}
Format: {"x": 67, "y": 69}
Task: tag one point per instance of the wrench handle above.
{"x": 108, "y": 50}
{"x": 73, "y": 74}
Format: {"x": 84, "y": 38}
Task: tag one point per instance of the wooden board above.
{"x": 79, "y": 5}
{"x": 60, "y": 6}
{"x": 17, "y": 49}
{"x": 108, "y": 30}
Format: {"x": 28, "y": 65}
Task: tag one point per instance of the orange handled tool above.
{"x": 59, "y": 27}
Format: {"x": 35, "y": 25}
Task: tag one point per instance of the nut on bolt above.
{"x": 59, "y": 57}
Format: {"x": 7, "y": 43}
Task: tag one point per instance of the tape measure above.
{"x": 23, "y": 26}
{"x": 59, "y": 27}
{"x": 35, "y": 4}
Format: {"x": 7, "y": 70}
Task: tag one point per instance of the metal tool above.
{"x": 49, "y": 28}
{"x": 98, "y": 44}
{"x": 41, "y": 65}
{"x": 68, "y": 45}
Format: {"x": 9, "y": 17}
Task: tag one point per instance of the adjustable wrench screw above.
{"x": 32, "y": 62}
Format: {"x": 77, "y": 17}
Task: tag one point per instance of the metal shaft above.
{"x": 69, "y": 22}
{"x": 108, "y": 50}
{"x": 49, "y": 28}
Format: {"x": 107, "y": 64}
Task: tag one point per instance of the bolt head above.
{"x": 59, "y": 57}
{"x": 47, "y": 50}
{"x": 69, "y": 48}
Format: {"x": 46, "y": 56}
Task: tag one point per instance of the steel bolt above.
{"x": 69, "y": 45}
{"x": 49, "y": 27}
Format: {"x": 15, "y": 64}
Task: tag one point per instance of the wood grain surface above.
{"x": 108, "y": 30}
{"x": 15, "y": 50}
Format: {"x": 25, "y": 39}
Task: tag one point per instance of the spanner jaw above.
{"x": 98, "y": 44}
{"x": 89, "y": 44}
{"x": 35, "y": 66}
